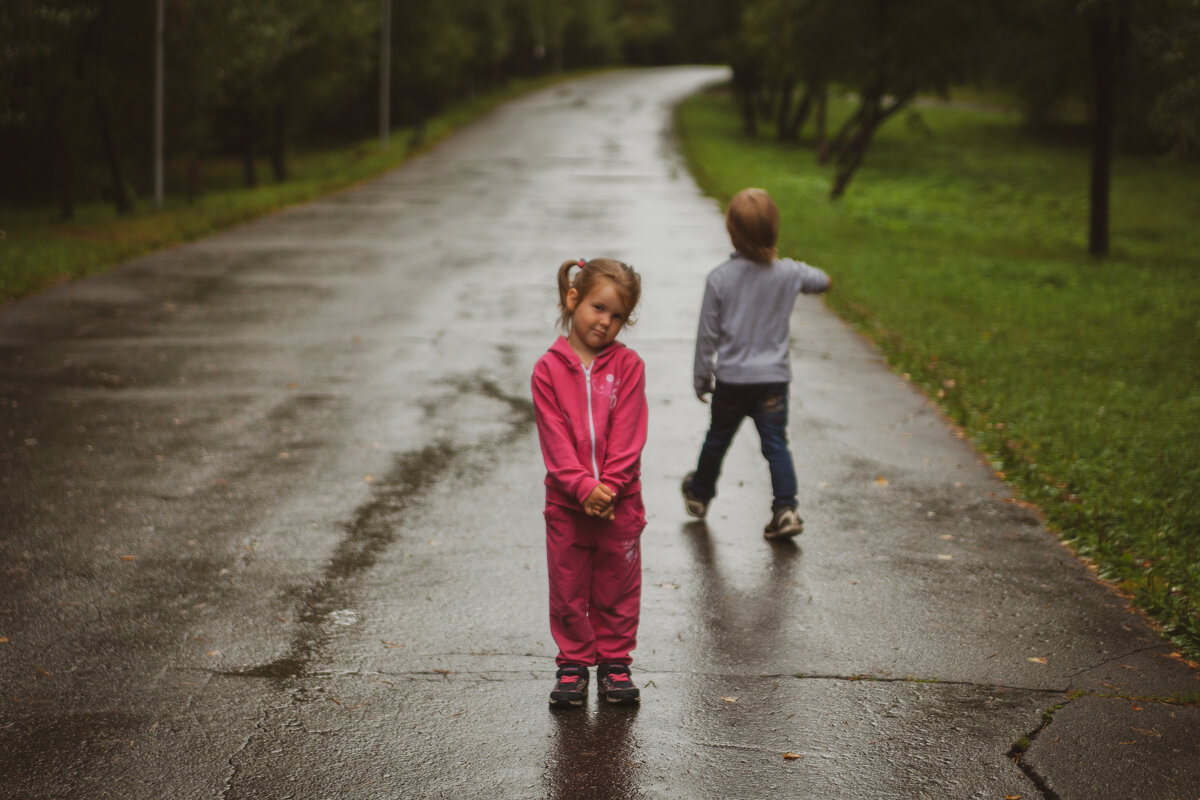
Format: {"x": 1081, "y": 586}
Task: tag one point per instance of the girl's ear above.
{"x": 572, "y": 299}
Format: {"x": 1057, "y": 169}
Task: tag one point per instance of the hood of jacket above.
{"x": 562, "y": 348}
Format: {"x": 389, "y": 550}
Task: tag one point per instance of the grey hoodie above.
{"x": 744, "y": 320}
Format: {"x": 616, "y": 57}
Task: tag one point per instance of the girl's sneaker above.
{"x": 615, "y": 684}
{"x": 571, "y": 687}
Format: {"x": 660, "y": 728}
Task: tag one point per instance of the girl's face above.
{"x": 595, "y": 319}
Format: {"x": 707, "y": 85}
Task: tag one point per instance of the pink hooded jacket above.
{"x": 591, "y": 423}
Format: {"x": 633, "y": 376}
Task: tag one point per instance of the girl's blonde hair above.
{"x": 627, "y": 283}
{"x": 753, "y": 224}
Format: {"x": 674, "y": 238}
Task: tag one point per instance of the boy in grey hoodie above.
{"x": 742, "y": 355}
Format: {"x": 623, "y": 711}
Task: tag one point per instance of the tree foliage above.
{"x": 254, "y": 80}
{"x": 1128, "y": 70}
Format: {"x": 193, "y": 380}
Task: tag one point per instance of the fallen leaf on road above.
{"x": 1146, "y": 731}
{"x": 129, "y": 558}
{"x": 945, "y": 557}
{"x": 1038, "y": 660}
{"x": 729, "y": 699}
{"x": 368, "y": 478}
{"x": 391, "y": 644}
{"x": 213, "y": 653}
{"x": 1136, "y": 707}
{"x": 792, "y": 755}
{"x": 3, "y": 640}
{"x": 881, "y": 481}
{"x": 668, "y": 585}
{"x": 1012, "y": 797}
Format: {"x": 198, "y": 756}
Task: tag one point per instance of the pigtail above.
{"x": 564, "y": 285}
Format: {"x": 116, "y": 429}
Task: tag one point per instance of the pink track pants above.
{"x": 595, "y": 568}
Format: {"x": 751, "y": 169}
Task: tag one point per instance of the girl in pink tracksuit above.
{"x": 590, "y": 402}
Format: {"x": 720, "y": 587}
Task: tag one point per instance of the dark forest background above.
{"x": 254, "y": 81}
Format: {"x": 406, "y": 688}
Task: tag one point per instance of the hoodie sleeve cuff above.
{"x": 584, "y": 489}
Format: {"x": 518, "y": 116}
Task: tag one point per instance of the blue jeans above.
{"x": 767, "y": 405}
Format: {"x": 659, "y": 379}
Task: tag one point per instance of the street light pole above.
{"x": 159, "y": 101}
{"x": 385, "y": 71}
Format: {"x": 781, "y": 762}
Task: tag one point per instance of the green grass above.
{"x": 960, "y": 249}
{"x": 37, "y": 252}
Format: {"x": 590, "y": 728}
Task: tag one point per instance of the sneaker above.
{"x": 694, "y": 506}
{"x": 615, "y": 684}
{"x": 571, "y": 687}
{"x": 784, "y": 523}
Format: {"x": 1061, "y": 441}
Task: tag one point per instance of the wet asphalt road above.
{"x": 271, "y": 524}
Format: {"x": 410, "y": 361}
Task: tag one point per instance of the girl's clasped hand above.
{"x": 602, "y": 502}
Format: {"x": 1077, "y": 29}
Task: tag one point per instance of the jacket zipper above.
{"x": 587, "y": 388}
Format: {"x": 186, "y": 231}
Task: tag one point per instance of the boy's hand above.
{"x": 601, "y": 502}
{"x": 703, "y": 397}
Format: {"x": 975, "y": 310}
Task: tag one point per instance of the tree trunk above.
{"x": 249, "y": 175}
{"x": 65, "y": 160}
{"x": 278, "y": 128}
{"x": 786, "y": 90}
{"x": 193, "y": 177}
{"x": 418, "y": 134}
{"x": 746, "y": 100}
{"x": 122, "y": 198}
{"x": 795, "y": 124}
{"x": 821, "y": 124}
{"x": 840, "y": 138}
{"x": 1108, "y": 39}
{"x": 850, "y": 156}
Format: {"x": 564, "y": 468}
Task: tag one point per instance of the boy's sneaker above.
{"x": 784, "y": 523}
{"x": 615, "y": 684}
{"x": 694, "y": 506}
{"x": 571, "y": 687}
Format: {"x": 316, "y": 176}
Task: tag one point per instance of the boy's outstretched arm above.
{"x": 813, "y": 280}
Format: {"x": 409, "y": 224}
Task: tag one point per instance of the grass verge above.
{"x": 37, "y": 252}
{"x": 960, "y": 250}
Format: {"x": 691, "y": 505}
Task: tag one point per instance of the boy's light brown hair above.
{"x": 752, "y": 220}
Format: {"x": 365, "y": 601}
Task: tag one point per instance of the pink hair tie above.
{"x": 582, "y": 263}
